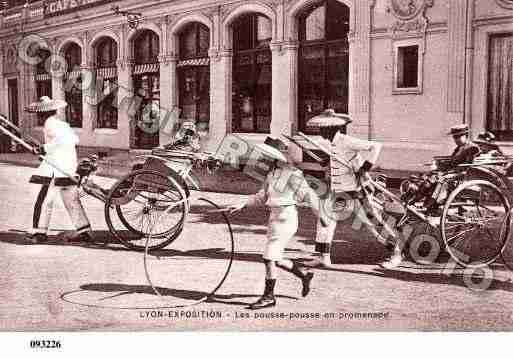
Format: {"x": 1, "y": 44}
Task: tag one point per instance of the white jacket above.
{"x": 353, "y": 151}
{"x": 61, "y": 154}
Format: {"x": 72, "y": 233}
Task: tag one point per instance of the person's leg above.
{"x": 71, "y": 199}
{"x": 281, "y": 228}
{"x": 304, "y": 276}
{"x": 42, "y": 213}
{"x": 324, "y": 235}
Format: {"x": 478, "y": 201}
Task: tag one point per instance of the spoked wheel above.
{"x": 475, "y": 223}
{"x": 146, "y": 204}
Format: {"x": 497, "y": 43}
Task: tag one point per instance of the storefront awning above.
{"x": 73, "y": 74}
{"x": 107, "y": 72}
{"x": 145, "y": 68}
{"x": 194, "y": 62}
{"x": 42, "y": 77}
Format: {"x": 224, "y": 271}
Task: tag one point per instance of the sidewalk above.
{"x": 225, "y": 180}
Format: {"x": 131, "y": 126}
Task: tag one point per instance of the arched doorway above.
{"x": 193, "y": 71}
{"x": 252, "y": 74}
{"x": 146, "y": 84}
{"x": 106, "y": 55}
{"x": 73, "y": 94}
{"x": 323, "y": 60}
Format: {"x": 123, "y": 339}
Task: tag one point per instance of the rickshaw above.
{"x": 142, "y": 196}
{"x": 473, "y": 214}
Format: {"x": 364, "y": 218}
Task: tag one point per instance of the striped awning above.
{"x": 107, "y": 72}
{"x": 73, "y": 74}
{"x": 194, "y": 62}
{"x": 145, "y": 68}
{"x": 42, "y": 77}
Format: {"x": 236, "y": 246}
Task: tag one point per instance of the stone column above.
{"x": 359, "y": 70}
{"x": 29, "y": 95}
{"x": 125, "y": 94}
{"x": 89, "y": 98}
{"x": 284, "y": 88}
{"x": 3, "y": 84}
{"x": 58, "y": 92}
{"x": 220, "y": 97}
{"x": 456, "y": 68}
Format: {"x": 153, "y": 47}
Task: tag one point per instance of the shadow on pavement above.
{"x": 193, "y": 295}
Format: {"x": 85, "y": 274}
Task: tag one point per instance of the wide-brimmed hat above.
{"x": 458, "y": 130}
{"x": 274, "y": 148}
{"x": 329, "y": 118}
{"x": 46, "y": 104}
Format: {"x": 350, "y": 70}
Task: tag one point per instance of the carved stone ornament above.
{"x": 418, "y": 25}
{"x": 507, "y": 4}
{"x": 408, "y": 9}
{"x": 11, "y": 56}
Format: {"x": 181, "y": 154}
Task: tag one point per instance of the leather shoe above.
{"x": 306, "y": 283}
{"x": 263, "y": 302}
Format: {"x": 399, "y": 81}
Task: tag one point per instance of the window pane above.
{"x": 106, "y": 53}
{"x": 73, "y": 56}
{"x": 188, "y": 42}
{"x": 264, "y": 30}
{"x": 43, "y": 88}
{"x": 315, "y": 24}
{"x": 500, "y": 87}
{"x": 407, "y": 66}
{"x": 43, "y": 55}
{"x": 107, "y": 114}
{"x": 74, "y": 108}
{"x": 243, "y": 33}
{"x": 204, "y": 41}
{"x": 146, "y": 47}
{"x": 337, "y": 22}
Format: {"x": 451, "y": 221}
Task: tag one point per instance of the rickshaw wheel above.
{"x": 475, "y": 223}
{"x": 155, "y": 206}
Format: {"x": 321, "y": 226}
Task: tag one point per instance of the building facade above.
{"x": 405, "y": 70}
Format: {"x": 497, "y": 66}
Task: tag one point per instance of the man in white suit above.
{"x": 358, "y": 157}
{"x": 56, "y": 174}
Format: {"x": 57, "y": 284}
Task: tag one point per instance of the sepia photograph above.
{"x": 255, "y": 166}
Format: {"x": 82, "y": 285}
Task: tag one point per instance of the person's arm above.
{"x": 466, "y": 155}
{"x": 256, "y": 199}
{"x": 372, "y": 147}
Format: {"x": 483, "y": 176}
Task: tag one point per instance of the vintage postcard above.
{"x": 274, "y": 165}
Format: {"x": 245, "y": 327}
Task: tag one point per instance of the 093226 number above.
{"x": 45, "y": 344}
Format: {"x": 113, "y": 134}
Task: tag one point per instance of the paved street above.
{"x": 84, "y": 287}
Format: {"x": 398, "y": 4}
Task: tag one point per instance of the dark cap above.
{"x": 459, "y": 130}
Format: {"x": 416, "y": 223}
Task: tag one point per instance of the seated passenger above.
{"x": 186, "y": 139}
{"x": 486, "y": 144}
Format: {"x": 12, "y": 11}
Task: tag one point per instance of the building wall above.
{"x": 411, "y": 125}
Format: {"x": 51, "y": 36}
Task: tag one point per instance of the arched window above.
{"x": 146, "y": 50}
{"x": 73, "y": 78}
{"x": 193, "y": 72}
{"x": 323, "y": 60}
{"x": 146, "y": 82}
{"x": 106, "y": 83}
{"x": 252, "y": 74}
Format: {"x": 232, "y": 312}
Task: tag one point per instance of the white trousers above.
{"x": 282, "y": 226}
{"x": 340, "y": 207}
{"x": 45, "y": 203}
